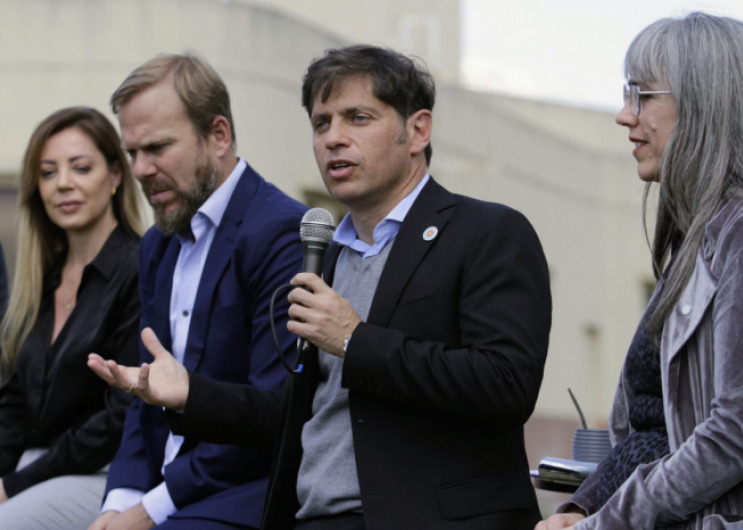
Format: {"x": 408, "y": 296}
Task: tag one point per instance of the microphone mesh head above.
{"x": 317, "y": 225}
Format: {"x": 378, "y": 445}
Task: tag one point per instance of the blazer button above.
{"x": 686, "y": 310}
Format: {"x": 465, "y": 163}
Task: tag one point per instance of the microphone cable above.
{"x": 297, "y": 369}
{"x": 316, "y": 231}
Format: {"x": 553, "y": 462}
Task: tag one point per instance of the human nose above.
{"x": 626, "y": 117}
{"x": 336, "y": 136}
{"x": 142, "y": 166}
{"x": 64, "y": 179}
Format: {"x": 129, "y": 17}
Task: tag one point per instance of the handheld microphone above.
{"x": 316, "y": 231}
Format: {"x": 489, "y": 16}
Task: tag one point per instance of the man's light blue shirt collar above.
{"x": 214, "y": 207}
{"x": 384, "y": 232}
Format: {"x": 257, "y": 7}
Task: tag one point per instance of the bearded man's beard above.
{"x": 187, "y": 202}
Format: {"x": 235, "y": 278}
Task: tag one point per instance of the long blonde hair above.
{"x": 40, "y": 241}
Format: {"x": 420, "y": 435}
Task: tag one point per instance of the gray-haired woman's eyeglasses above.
{"x": 632, "y": 94}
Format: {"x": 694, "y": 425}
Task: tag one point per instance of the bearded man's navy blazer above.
{"x": 255, "y": 250}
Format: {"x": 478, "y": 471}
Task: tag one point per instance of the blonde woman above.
{"x": 74, "y": 292}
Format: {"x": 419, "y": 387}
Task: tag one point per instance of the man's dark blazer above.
{"x": 255, "y": 250}
{"x": 441, "y": 378}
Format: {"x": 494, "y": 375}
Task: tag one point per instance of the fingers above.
{"x": 101, "y": 523}
{"x": 98, "y": 365}
{"x": 98, "y": 524}
{"x": 152, "y": 343}
{"x": 311, "y": 281}
{"x": 143, "y": 380}
{"x": 115, "y": 375}
{"x": 300, "y": 297}
{"x": 302, "y": 329}
{"x": 298, "y": 311}
{"x": 562, "y": 521}
{"x": 120, "y": 378}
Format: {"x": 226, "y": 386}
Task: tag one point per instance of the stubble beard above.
{"x": 188, "y": 202}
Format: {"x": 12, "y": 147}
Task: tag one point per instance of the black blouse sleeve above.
{"x": 87, "y": 447}
{"x": 12, "y": 424}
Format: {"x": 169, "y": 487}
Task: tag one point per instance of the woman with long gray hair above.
{"x": 677, "y": 419}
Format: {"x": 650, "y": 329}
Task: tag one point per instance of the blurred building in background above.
{"x": 569, "y": 170}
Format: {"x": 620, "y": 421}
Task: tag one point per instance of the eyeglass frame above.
{"x": 628, "y": 91}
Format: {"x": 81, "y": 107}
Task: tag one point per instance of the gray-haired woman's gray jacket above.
{"x": 699, "y": 485}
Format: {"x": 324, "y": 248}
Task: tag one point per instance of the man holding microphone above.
{"x": 431, "y": 319}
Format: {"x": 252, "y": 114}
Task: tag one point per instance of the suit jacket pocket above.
{"x": 486, "y": 495}
{"x": 419, "y": 306}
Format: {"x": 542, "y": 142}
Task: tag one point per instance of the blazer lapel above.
{"x": 689, "y": 310}
{"x": 686, "y": 317}
{"x": 217, "y": 260}
{"x": 432, "y": 208}
{"x": 161, "y": 303}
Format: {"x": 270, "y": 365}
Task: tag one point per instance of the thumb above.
{"x": 153, "y": 345}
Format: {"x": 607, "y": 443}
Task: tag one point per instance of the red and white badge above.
{"x": 430, "y": 233}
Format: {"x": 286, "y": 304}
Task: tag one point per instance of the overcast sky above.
{"x": 569, "y": 51}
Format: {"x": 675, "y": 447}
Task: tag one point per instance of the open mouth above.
{"x": 340, "y": 168}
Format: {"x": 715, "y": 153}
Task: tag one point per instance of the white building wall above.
{"x": 429, "y": 29}
{"x": 58, "y": 53}
{"x": 585, "y": 204}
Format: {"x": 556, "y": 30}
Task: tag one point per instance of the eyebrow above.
{"x": 349, "y": 111}
{"x": 355, "y": 110}
{"x": 320, "y": 116}
{"x": 161, "y": 142}
{"x": 73, "y": 159}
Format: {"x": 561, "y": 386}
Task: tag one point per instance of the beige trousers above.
{"x": 70, "y": 502}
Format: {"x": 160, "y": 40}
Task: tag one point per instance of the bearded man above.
{"x": 224, "y": 240}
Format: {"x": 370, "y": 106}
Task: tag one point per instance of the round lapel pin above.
{"x": 430, "y": 233}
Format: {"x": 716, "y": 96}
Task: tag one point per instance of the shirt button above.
{"x": 185, "y": 313}
{"x": 686, "y": 309}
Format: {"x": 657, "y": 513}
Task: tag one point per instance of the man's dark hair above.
{"x": 398, "y": 81}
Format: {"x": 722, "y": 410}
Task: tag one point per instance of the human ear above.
{"x": 114, "y": 171}
{"x": 221, "y": 135}
{"x": 420, "y": 125}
